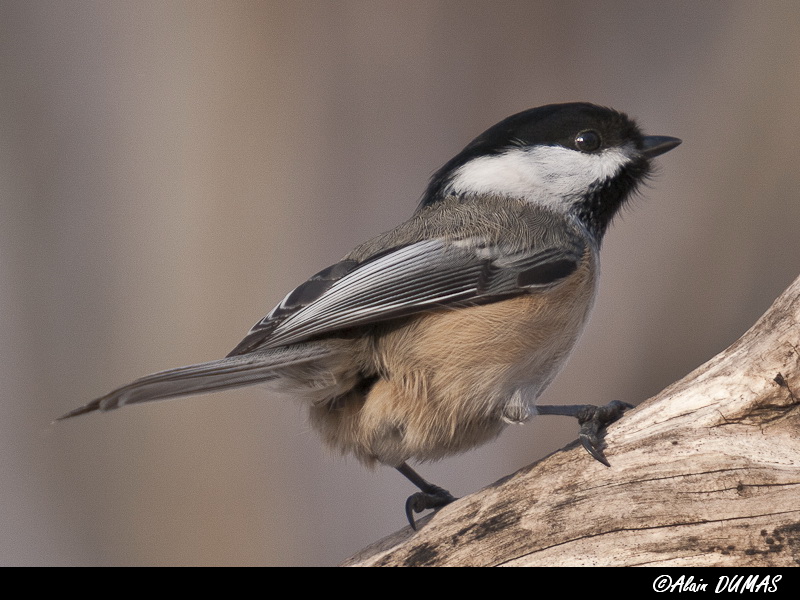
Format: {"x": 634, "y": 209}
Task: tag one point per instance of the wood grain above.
{"x": 706, "y": 473}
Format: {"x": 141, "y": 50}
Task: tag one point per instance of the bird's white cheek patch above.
{"x": 551, "y": 175}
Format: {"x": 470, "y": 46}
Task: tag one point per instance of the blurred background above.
{"x": 169, "y": 170}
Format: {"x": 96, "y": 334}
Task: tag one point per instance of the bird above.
{"x": 429, "y": 339}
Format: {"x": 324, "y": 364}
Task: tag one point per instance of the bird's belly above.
{"x": 453, "y": 379}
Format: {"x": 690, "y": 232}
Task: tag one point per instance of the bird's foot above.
{"x": 592, "y": 420}
{"x": 432, "y": 497}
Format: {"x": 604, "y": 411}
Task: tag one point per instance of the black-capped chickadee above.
{"x": 429, "y": 339}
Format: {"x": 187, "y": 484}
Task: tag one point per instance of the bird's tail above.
{"x": 226, "y": 373}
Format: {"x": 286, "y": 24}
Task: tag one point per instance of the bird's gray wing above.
{"x": 409, "y": 279}
{"x": 367, "y": 287}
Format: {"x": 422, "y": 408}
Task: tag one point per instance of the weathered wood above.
{"x": 706, "y": 473}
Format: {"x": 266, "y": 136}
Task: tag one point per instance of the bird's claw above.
{"x": 435, "y": 497}
{"x": 592, "y": 420}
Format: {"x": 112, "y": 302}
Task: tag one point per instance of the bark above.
{"x": 707, "y": 473}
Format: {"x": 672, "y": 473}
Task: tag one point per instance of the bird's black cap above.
{"x": 550, "y": 125}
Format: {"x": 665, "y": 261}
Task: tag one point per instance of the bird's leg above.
{"x": 592, "y": 420}
{"x": 430, "y": 496}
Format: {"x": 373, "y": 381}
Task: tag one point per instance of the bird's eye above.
{"x": 588, "y": 141}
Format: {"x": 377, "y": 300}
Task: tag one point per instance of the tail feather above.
{"x": 227, "y": 373}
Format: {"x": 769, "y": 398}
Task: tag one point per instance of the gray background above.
{"x": 169, "y": 170}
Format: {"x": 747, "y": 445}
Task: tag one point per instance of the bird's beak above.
{"x": 656, "y": 145}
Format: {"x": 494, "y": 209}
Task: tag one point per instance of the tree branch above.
{"x": 706, "y": 473}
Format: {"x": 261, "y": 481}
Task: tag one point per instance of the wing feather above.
{"x": 414, "y": 278}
